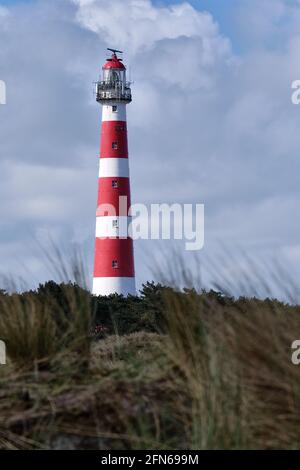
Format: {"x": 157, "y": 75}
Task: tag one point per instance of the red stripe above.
{"x": 107, "y": 194}
{"x": 108, "y": 250}
{"x": 114, "y": 132}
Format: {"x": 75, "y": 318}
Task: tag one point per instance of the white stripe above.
{"x": 113, "y": 167}
{"x": 112, "y": 226}
{"x": 109, "y": 115}
{"x": 114, "y": 285}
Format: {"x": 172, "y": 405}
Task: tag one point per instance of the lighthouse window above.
{"x": 115, "y": 108}
{"x": 115, "y": 145}
{"x": 115, "y": 223}
{"x": 114, "y": 183}
{"x": 114, "y": 263}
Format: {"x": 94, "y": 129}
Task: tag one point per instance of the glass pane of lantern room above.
{"x": 114, "y": 75}
{"x": 106, "y": 75}
{"x": 122, "y": 75}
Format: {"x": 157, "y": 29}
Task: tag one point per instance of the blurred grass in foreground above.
{"x": 175, "y": 369}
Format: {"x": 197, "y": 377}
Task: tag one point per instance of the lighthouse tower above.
{"x": 114, "y": 264}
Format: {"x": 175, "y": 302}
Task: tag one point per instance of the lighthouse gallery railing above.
{"x": 113, "y": 90}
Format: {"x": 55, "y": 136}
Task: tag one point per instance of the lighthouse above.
{"x": 114, "y": 262}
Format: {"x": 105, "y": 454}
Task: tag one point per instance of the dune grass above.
{"x": 216, "y": 374}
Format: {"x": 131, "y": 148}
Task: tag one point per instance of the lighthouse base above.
{"x": 114, "y": 285}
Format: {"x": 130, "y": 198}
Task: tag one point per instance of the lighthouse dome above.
{"x": 114, "y": 63}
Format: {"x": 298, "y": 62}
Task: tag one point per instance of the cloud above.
{"x": 206, "y": 125}
{"x": 137, "y": 24}
{"x": 267, "y": 23}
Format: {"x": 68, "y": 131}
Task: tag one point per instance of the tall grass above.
{"x": 28, "y": 328}
{"x": 216, "y": 375}
{"x": 235, "y": 365}
{"x": 55, "y": 319}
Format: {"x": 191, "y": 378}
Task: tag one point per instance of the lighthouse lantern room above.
{"x": 113, "y": 86}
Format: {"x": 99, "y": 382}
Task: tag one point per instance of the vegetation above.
{"x": 166, "y": 370}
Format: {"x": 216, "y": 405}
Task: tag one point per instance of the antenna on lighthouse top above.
{"x": 114, "y": 50}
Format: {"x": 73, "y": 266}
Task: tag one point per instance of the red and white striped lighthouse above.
{"x": 114, "y": 263}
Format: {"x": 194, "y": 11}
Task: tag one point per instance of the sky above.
{"x": 211, "y": 122}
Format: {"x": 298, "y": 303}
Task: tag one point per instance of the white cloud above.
{"x": 4, "y": 12}
{"x": 42, "y": 193}
{"x": 137, "y": 24}
{"x": 204, "y": 125}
